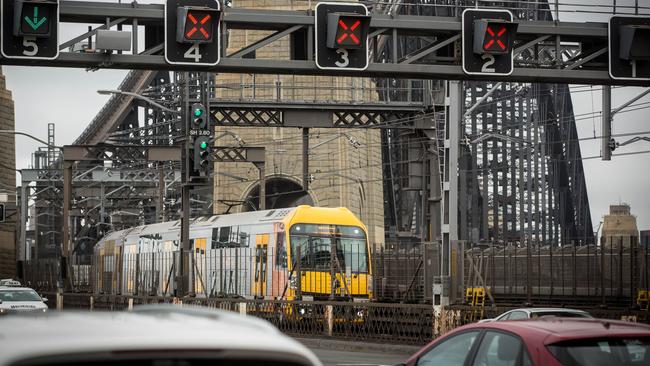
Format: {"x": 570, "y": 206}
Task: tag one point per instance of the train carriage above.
{"x": 313, "y": 252}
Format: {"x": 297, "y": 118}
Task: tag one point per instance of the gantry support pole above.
{"x": 22, "y": 250}
{"x": 262, "y": 204}
{"x": 606, "y": 123}
{"x": 66, "y": 247}
{"x": 305, "y": 159}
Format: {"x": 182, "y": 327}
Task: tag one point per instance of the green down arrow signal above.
{"x": 35, "y": 23}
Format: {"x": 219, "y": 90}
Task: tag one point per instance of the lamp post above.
{"x": 138, "y": 96}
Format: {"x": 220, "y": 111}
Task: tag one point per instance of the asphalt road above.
{"x": 331, "y": 357}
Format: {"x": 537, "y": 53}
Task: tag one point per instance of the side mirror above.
{"x": 44, "y": 299}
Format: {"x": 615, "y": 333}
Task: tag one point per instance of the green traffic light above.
{"x": 198, "y": 112}
{"x": 204, "y": 145}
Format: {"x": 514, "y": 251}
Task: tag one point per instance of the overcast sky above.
{"x": 68, "y": 98}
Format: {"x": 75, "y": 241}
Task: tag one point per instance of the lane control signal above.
{"x": 195, "y": 24}
{"x": 347, "y": 30}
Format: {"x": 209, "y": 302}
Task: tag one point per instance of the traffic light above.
{"x": 341, "y": 36}
{"x": 629, "y": 48}
{"x": 201, "y": 154}
{"x": 488, "y": 38}
{"x": 30, "y": 29}
{"x": 493, "y": 36}
{"x": 195, "y": 24}
{"x": 192, "y": 32}
{"x": 348, "y": 31}
{"x": 33, "y": 18}
{"x": 199, "y": 116}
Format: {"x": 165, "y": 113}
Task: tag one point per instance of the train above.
{"x": 563, "y": 275}
{"x": 309, "y": 253}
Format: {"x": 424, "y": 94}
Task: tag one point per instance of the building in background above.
{"x": 645, "y": 239}
{"x": 7, "y": 182}
{"x": 619, "y": 228}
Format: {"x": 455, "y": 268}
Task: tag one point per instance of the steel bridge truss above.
{"x": 520, "y": 178}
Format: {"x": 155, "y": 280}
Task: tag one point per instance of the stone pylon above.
{"x": 7, "y": 181}
{"x": 345, "y": 165}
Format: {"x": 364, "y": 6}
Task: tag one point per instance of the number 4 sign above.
{"x": 192, "y": 32}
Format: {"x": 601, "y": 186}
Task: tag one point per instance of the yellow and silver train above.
{"x": 261, "y": 254}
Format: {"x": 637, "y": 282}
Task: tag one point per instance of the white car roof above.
{"x": 12, "y": 288}
{"x": 543, "y": 310}
{"x": 149, "y": 328}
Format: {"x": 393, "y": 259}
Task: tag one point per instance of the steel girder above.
{"x": 434, "y": 59}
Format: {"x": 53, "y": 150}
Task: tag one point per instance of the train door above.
{"x": 261, "y": 256}
{"x": 199, "y": 266}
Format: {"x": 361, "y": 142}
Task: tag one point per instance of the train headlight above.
{"x": 302, "y": 311}
{"x": 361, "y": 313}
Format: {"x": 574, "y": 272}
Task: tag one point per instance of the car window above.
{"x": 517, "y": 315}
{"x": 602, "y": 352}
{"x": 498, "y": 349}
{"x": 19, "y": 295}
{"x": 450, "y": 352}
{"x": 563, "y": 314}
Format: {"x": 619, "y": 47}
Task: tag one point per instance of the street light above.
{"x": 138, "y": 96}
{"x": 12, "y": 132}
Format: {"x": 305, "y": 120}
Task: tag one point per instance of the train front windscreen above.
{"x": 350, "y": 264}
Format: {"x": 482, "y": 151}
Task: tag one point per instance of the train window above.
{"x": 244, "y": 236}
{"x": 215, "y": 238}
{"x": 281, "y": 256}
{"x": 224, "y": 236}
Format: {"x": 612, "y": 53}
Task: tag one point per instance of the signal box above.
{"x": 341, "y": 36}
{"x": 30, "y": 29}
{"x": 192, "y": 32}
{"x": 629, "y": 48}
{"x": 488, "y": 38}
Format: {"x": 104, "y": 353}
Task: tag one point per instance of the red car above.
{"x": 544, "y": 342}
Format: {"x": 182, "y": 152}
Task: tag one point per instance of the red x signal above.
{"x": 496, "y": 38}
{"x": 349, "y": 31}
{"x": 198, "y": 26}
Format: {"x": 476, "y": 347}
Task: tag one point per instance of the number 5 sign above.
{"x": 192, "y": 32}
{"x": 488, "y": 36}
{"x": 30, "y": 29}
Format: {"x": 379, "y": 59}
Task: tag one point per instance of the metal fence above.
{"x": 396, "y": 275}
{"x": 394, "y": 323}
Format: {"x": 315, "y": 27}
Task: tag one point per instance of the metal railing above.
{"x": 389, "y": 323}
{"x": 391, "y": 275}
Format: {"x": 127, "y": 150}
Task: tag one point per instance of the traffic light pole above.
{"x": 183, "y": 265}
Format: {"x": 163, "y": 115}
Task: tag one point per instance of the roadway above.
{"x": 348, "y": 353}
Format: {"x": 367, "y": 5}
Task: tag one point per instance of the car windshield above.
{"x": 621, "y": 351}
{"x": 19, "y": 295}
